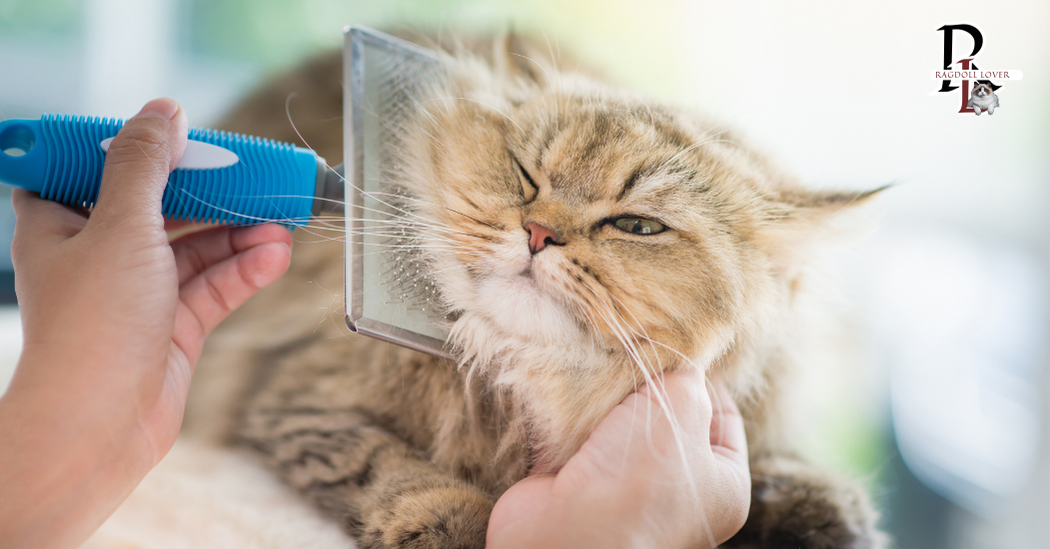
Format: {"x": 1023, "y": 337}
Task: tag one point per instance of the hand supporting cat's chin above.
{"x": 562, "y": 389}
{"x": 520, "y": 332}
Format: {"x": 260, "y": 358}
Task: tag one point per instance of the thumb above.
{"x": 727, "y": 425}
{"x": 139, "y": 160}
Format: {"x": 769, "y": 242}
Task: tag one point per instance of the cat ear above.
{"x": 797, "y": 216}
{"x": 515, "y": 59}
{"x": 810, "y": 204}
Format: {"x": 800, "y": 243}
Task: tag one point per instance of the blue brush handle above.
{"x": 62, "y": 160}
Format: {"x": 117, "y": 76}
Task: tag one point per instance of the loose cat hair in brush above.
{"x": 389, "y": 293}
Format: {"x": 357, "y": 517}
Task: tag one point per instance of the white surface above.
{"x": 201, "y": 497}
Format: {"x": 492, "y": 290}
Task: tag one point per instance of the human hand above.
{"x": 633, "y": 484}
{"x": 113, "y": 319}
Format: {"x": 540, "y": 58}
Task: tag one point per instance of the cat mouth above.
{"x": 529, "y": 272}
{"x": 528, "y": 280}
{"x": 531, "y": 277}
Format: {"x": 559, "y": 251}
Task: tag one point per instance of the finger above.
{"x": 729, "y": 448}
{"x": 38, "y": 219}
{"x": 523, "y": 502}
{"x": 683, "y": 397}
{"x": 728, "y": 438}
{"x": 196, "y": 252}
{"x": 650, "y": 427}
{"x": 180, "y": 229}
{"x": 137, "y": 165}
{"x": 174, "y": 225}
{"x": 210, "y": 296}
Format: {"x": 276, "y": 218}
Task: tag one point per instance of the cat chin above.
{"x": 516, "y": 305}
{"x": 544, "y": 380}
{"x": 485, "y": 345}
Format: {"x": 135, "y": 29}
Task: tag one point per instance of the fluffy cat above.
{"x": 585, "y": 238}
{"x": 983, "y": 98}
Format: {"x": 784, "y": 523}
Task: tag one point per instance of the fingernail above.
{"x": 163, "y": 108}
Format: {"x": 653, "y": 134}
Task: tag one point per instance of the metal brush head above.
{"x": 389, "y": 294}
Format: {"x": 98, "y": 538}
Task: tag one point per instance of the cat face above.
{"x": 981, "y": 90}
{"x": 578, "y": 223}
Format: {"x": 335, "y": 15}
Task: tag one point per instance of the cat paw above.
{"x": 438, "y": 518}
{"x": 795, "y": 506}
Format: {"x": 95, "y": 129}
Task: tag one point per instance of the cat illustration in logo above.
{"x": 983, "y": 98}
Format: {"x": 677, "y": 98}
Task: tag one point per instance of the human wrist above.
{"x": 64, "y": 469}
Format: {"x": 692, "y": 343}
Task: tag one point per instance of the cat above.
{"x": 664, "y": 243}
{"x": 983, "y": 98}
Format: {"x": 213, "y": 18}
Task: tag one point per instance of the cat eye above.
{"x": 528, "y": 191}
{"x": 638, "y": 225}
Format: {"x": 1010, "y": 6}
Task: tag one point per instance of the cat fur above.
{"x": 402, "y": 449}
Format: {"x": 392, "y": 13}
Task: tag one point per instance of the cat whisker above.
{"x": 717, "y": 405}
{"x": 243, "y": 216}
{"x": 316, "y": 229}
{"x": 671, "y": 417}
{"x": 288, "y": 114}
{"x": 398, "y": 222}
{"x": 629, "y": 346}
{"x": 400, "y": 211}
{"x": 398, "y": 218}
{"x": 551, "y": 49}
{"x": 415, "y": 225}
{"x": 453, "y": 210}
{"x": 366, "y": 193}
{"x": 653, "y": 380}
{"x": 287, "y": 107}
{"x": 400, "y": 231}
{"x": 618, "y": 331}
{"x": 644, "y": 335}
{"x": 534, "y": 62}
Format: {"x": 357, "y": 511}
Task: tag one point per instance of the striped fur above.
{"x": 409, "y": 451}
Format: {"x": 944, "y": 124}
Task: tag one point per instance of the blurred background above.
{"x": 937, "y": 396}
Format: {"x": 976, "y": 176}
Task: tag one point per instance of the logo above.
{"x": 977, "y": 87}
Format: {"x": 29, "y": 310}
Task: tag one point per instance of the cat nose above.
{"x": 540, "y": 236}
